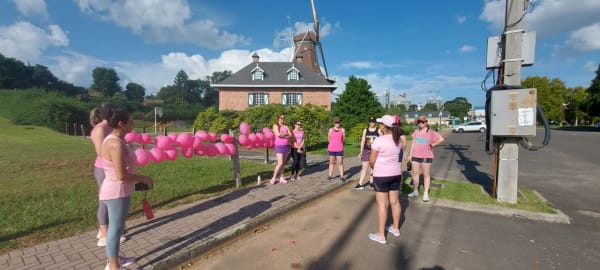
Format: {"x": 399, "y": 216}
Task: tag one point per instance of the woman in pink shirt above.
{"x": 118, "y": 160}
{"x": 421, "y": 155}
{"x": 297, "y": 149}
{"x": 335, "y": 148}
{"x": 282, "y": 148}
{"x": 387, "y": 175}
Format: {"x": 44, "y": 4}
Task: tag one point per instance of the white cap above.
{"x": 387, "y": 120}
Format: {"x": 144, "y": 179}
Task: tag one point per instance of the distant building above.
{"x": 477, "y": 113}
{"x": 401, "y": 100}
{"x": 433, "y": 117}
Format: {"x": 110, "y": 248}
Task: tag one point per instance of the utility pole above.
{"x": 508, "y": 162}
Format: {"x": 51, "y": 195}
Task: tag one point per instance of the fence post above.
{"x": 236, "y": 162}
{"x": 74, "y": 129}
{"x": 67, "y": 128}
{"x": 82, "y": 131}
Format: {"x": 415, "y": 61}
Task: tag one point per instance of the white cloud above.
{"x": 547, "y": 18}
{"x": 162, "y": 21}
{"x": 466, "y": 49}
{"x": 586, "y": 38}
{"x": 32, "y": 8}
{"x": 361, "y": 65}
{"x": 591, "y": 66}
{"x": 461, "y": 19}
{"x": 25, "y": 41}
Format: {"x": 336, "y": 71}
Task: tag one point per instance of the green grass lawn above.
{"x": 47, "y": 188}
{"x": 470, "y": 192}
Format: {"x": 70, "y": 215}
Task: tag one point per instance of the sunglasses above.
{"x": 421, "y": 122}
{"x": 298, "y": 124}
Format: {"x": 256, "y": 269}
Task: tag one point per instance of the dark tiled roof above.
{"x": 275, "y": 74}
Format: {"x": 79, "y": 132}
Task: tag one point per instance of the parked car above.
{"x": 470, "y": 127}
{"x": 597, "y": 125}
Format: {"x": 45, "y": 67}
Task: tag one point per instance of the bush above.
{"x": 54, "y": 112}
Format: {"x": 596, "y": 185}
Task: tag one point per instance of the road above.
{"x": 331, "y": 233}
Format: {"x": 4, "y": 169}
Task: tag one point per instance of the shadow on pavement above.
{"x": 181, "y": 242}
{"x": 469, "y": 167}
{"x": 157, "y": 222}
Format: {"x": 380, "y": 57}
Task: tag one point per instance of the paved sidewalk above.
{"x": 179, "y": 234}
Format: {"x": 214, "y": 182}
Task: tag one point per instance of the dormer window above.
{"x": 258, "y": 74}
{"x": 293, "y": 74}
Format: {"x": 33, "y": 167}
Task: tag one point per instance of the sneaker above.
{"x": 107, "y": 267}
{"x": 375, "y": 237}
{"x": 426, "y": 196}
{"x": 393, "y": 231}
{"x": 272, "y": 182}
{"x": 126, "y": 261}
{"x": 415, "y": 193}
{"x": 298, "y": 177}
{"x": 359, "y": 187}
{"x": 342, "y": 179}
{"x": 329, "y": 178}
{"x": 98, "y": 235}
{"x": 102, "y": 241}
{"x": 370, "y": 185}
{"x": 293, "y": 178}
{"x": 282, "y": 180}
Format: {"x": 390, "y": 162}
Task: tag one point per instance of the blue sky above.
{"x": 421, "y": 48}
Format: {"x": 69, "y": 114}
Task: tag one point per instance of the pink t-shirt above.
{"x": 111, "y": 187}
{"x": 107, "y": 130}
{"x": 299, "y": 137}
{"x": 283, "y": 129}
{"x": 421, "y": 143}
{"x": 386, "y": 163}
{"x": 336, "y": 143}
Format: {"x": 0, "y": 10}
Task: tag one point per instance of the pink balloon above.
{"x": 244, "y": 128}
{"x": 230, "y": 148}
{"x": 266, "y": 130}
{"x": 146, "y": 139}
{"x": 211, "y": 150}
{"x": 173, "y": 136}
{"x": 163, "y": 142}
{"x": 197, "y": 143}
{"x": 202, "y": 135}
{"x": 187, "y": 152}
{"x": 158, "y": 154}
{"x": 171, "y": 154}
{"x": 248, "y": 146}
{"x": 131, "y": 136}
{"x": 201, "y": 152}
{"x": 221, "y": 149}
{"x": 269, "y": 135}
{"x": 260, "y": 137}
{"x": 184, "y": 139}
{"x": 141, "y": 157}
{"x": 212, "y": 137}
{"x": 252, "y": 137}
{"x": 243, "y": 139}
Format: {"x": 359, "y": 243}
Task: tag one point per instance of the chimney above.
{"x": 299, "y": 58}
{"x": 255, "y": 58}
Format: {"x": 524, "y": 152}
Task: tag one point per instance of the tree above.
{"x": 210, "y": 94}
{"x": 575, "y": 107}
{"x": 135, "y": 92}
{"x": 205, "y": 119}
{"x": 551, "y": 96}
{"x": 429, "y": 107}
{"x": 357, "y": 103}
{"x": 593, "y": 98}
{"x": 458, "y": 107}
{"x": 106, "y": 81}
{"x": 179, "y": 83}
{"x": 413, "y": 108}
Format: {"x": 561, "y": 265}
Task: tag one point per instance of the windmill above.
{"x": 306, "y": 46}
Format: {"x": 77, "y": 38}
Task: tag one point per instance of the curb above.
{"x": 559, "y": 217}
{"x": 214, "y": 241}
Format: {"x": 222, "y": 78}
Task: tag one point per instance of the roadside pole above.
{"x": 508, "y": 164}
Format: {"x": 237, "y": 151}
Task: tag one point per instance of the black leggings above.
{"x": 296, "y": 158}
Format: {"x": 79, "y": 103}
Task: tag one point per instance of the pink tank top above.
{"x": 299, "y": 135}
{"x": 282, "y": 141}
{"x": 111, "y": 187}
{"x": 335, "y": 141}
{"x": 107, "y": 130}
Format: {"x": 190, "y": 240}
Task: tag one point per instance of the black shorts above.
{"x": 422, "y": 160}
{"x": 387, "y": 183}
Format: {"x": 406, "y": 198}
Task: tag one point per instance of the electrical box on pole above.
{"x": 513, "y": 112}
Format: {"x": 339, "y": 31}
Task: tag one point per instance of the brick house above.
{"x": 287, "y": 83}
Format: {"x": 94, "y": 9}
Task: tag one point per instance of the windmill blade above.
{"x": 315, "y": 19}
{"x": 323, "y": 59}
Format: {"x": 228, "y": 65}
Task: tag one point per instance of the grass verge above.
{"x": 48, "y": 192}
{"x": 470, "y": 192}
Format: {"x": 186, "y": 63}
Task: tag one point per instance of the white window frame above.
{"x": 258, "y": 99}
{"x": 292, "y": 99}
